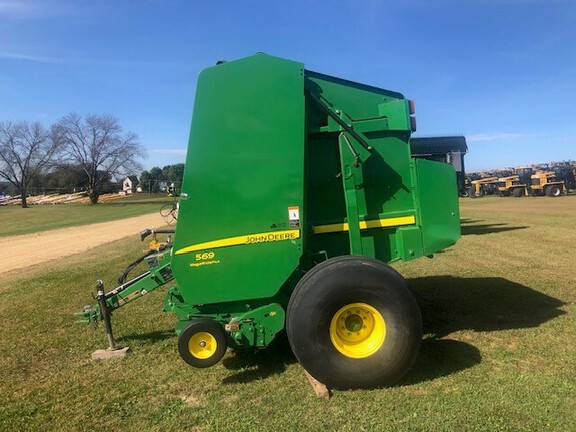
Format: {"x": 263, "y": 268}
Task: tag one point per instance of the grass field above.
{"x": 499, "y": 352}
{"x": 16, "y": 220}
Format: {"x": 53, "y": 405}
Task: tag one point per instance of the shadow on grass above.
{"x": 257, "y": 365}
{"x": 451, "y": 304}
{"x": 473, "y": 227}
{"x": 154, "y": 336}
{"x": 441, "y": 357}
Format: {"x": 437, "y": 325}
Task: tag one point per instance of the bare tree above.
{"x": 98, "y": 145}
{"x": 25, "y": 150}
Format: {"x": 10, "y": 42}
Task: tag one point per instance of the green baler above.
{"x": 299, "y": 188}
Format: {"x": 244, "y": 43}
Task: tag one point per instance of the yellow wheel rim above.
{"x": 357, "y": 330}
{"x": 202, "y": 345}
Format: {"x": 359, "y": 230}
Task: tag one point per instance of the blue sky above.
{"x": 501, "y": 72}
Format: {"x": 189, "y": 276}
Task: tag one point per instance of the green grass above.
{"x": 499, "y": 351}
{"x": 16, "y": 220}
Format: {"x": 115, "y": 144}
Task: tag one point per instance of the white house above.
{"x": 131, "y": 185}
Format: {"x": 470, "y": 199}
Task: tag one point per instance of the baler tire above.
{"x": 380, "y": 305}
{"x": 199, "y": 331}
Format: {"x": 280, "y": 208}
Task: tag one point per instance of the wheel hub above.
{"x": 202, "y": 345}
{"x": 357, "y": 330}
{"x": 354, "y": 323}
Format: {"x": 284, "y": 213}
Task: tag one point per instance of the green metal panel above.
{"x": 380, "y": 184}
{"x": 438, "y": 205}
{"x": 244, "y": 169}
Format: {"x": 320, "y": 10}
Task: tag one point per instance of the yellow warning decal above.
{"x": 272, "y": 236}
{"x": 378, "y": 223}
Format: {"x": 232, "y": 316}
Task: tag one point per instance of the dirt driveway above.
{"x": 44, "y": 246}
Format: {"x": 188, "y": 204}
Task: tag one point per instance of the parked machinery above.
{"x": 566, "y": 172}
{"x": 483, "y": 186}
{"x": 511, "y": 186}
{"x": 538, "y": 180}
{"x": 545, "y": 183}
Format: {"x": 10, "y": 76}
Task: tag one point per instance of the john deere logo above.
{"x": 271, "y": 237}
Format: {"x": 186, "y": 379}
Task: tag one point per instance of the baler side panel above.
{"x": 438, "y": 204}
{"x": 386, "y": 193}
{"x": 244, "y": 169}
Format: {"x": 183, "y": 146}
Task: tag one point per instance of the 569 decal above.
{"x": 205, "y": 256}
{"x": 204, "y": 259}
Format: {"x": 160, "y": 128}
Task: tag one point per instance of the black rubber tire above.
{"x": 553, "y": 191}
{"x": 518, "y": 192}
{"x": 481, "y": 192}
{"x": 202, "y": 325}
{"x": 472, "y": 192}
{"x": 341, "y": 281}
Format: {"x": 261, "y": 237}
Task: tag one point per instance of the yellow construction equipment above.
{"x": 511, "y": 186}
{"x": 479, "y": 188}
{"x": 545, "y": 183}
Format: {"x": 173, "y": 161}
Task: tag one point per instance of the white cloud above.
{"x": 494, "y": 136}
{"x": 21, "y": 9}
{"x": 33, "y": 58}
{"x": 40, "y": 9}
{"x": 12, "y": 55}
{"x": 12, "y": 6}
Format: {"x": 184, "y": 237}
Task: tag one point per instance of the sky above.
{"x": 500, "y": 72}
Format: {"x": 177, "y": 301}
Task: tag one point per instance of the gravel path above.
{"x": 24, "y": 250}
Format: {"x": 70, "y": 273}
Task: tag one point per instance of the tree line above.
{"x": 84, "y": 150}
{"x": 76, "y": 154}
{"x": 150, "y": 181}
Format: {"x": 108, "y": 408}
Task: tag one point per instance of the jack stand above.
{"x": 112, "y": 351}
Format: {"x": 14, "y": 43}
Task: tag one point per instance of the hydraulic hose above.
{"x": 122, "y": 278}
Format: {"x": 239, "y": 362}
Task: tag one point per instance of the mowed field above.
{"x": 499, "y": 351}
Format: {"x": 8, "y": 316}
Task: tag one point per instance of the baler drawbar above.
{"x": 159, "y": 273}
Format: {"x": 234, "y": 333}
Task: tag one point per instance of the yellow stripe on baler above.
{"x": 271, "y": 236}
{"x": 377, "y": 223}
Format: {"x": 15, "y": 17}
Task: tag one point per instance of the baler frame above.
{"x": 346, "y": 200}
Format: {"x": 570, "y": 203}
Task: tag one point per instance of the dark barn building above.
{"x": 449, "y": 149}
